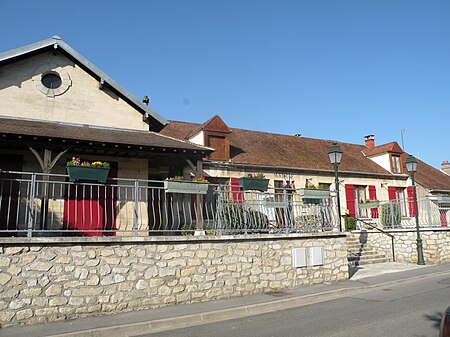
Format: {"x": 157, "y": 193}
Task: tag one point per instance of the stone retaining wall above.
{"x": 51, "y": 279}
{"x": 435, "y": 242}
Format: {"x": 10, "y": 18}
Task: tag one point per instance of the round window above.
{"x": 51, "y": 81}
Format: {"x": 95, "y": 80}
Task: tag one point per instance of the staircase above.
{"x": 361, "y": 253}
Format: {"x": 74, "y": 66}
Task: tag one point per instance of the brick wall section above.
{"x": 436, "y": 244}
{"x": 50, "y": 279}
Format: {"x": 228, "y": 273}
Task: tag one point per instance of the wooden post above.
{"x": 46, "y": 164}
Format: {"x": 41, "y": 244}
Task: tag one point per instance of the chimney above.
{"x": 445, "y": 167}
{"x": 369, "y": 141}
{"x": 146, "y": 100}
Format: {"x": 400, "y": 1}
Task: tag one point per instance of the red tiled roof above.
{"x": 429, "y": 177}
{"x": 392, "y": 147}
{"x": 269, "y": 149}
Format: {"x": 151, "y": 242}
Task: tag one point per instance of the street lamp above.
{"x": 411, "y": 167}
{"x": 335, "y": 154}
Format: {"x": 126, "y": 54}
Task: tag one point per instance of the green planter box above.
{"x": 307, "y": 193}
{"x": 99, "y": 174}
{"x": 367, "y": 205}
{"x": 185, "y": 187}
{"x": 254, "y": 184}
{"x": 444, "y": 199}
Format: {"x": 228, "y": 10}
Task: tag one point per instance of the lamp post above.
{"x": 335, "y": 154}
{"x": 411, "y": 167}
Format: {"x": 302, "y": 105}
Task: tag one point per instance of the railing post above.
{"x": 285, "y": 215}
{"x": 136, "y": 206}
{"x": 31, "y": 206}
{"x": 430, "y": 219}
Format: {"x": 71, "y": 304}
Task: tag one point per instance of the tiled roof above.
{"x": 66, "y": 131}
{"x": 275, "y": 150}
{"x": 429, "y": 177}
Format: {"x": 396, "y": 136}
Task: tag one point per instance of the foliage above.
{"x": 390, "y": 215}
{"x": 350, "y": 223}
{"x": 76, "y": 162}
{"x": 201, "y": 179}
{"x": 194, "y": 179}
{"x": 238, "y": 217}
{"x": 313, "y": 220}
{"x": 259, "y": 175}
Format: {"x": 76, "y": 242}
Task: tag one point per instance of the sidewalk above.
{"x": 141, "y": 322}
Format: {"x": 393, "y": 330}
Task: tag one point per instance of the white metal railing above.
{"x": 36, "y": 204}
{"x": 431, "y": 213}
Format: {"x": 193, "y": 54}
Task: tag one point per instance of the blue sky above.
{"x": 325, "y": 68}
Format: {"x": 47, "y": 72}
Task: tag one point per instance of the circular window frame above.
{"x": 53, "y": 74}
{"x": 52, "y": 68}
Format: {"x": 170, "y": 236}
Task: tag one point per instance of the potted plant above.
{"x": 252, "y": 181}
{"x": 95, "y": 171}
{"x": 178, "y": 185}
{"x": 314, "y": 192}
{"x": 369, "y": 204}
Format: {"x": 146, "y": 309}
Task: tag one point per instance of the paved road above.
{"x": 411, "y": 308}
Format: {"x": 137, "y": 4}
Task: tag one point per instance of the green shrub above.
{"x": 236, "y": 217}
{"x": 350, "y": 223}
{"x": 390, "y": 215}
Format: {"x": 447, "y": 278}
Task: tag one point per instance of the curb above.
{"x": 159, "y": 325}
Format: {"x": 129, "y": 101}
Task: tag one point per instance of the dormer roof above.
{"x": 214, "y": 124}
{"x": 391, "y": 147}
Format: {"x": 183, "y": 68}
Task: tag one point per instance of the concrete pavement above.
{"x": 364, "y": 279}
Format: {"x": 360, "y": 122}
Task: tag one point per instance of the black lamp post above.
{"x": 411, "y": 167}
{"x": 335, "y": 154}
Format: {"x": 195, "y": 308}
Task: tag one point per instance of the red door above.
{"x": 90, "y": 210}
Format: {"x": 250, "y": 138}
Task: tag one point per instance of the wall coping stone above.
{"x": 404, "y": 230}
{"x": 164, "y": 239}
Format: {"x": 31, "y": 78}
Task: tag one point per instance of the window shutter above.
{"x": 412, "y": 211}
{"x": 236, "y": 193}
{"x": 391, "y": 192}
{"x": 350, "y": 197}
{"x": 373, "y": 196}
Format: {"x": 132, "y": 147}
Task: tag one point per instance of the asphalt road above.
{"x": 411, "y": 308}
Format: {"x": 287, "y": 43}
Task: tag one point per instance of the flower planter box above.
{"x": 185, "y": 187}
{"x": 92, "y": 173}
{"x": 367, "y": 205}
{"x": 444, "y": 199}
{"x": 254, "y": 184}
{"x": 307, "y": 193}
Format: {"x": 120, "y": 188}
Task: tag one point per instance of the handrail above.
{"x": 380, "y": 230}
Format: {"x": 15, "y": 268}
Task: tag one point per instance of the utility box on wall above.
{"x": 311, "y": 256}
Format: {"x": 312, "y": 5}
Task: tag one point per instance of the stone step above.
{"x": 355, "y": 263}
{"x": 368, "y": 254}
{"x": 356, "y": 246}
{"x": 366, "y": 258}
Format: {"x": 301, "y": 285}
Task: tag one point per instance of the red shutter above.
{"x": 236, "y": 192}
{"x": 412, "y": 211}
{"x": 391, "y": 192}
{"x": 373, "y": 196}
{"x": 350, "y": 196}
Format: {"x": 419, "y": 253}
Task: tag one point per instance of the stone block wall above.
{"x": 51, "y": 279}
{"x": 435, "y": 242}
